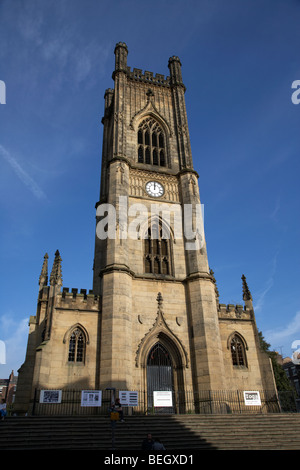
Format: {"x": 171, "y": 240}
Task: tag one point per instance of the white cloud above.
{"x": 22, "y": 174}
{"x": 76, "y": 60}
{"x": 269, "y": 284}
{"x": 284, "y": 336}
{"x": 290, "y": 330}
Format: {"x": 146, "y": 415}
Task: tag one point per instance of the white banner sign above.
{"x": 128, "y": 398}
{"x": 162, "y": 398}
{"x": 91, "y": 398}
{"x": 50, "y": 396}
{"x": 252, "y": 398}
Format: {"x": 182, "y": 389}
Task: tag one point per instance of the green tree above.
{"x": 281, "y": 379}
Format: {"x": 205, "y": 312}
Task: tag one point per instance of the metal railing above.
{"x": 183, "y": 402}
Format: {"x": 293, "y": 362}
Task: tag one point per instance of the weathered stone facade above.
{"x": 141, "y": 298}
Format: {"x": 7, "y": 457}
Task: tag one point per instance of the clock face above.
{"x": 154, "y": 189}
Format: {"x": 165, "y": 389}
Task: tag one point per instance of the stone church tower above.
{"x": 153, "y": 320}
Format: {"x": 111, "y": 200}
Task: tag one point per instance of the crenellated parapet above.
{"x": 237, "y": 312}
{"x": 72, "y": 299}
{"x": 137, "y": 75}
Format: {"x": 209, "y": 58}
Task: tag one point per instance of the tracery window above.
{"x": 77, "y": 346}
{"x": 157, "y": 251}
{"x": 238, "y": 353}
{"x": 151, "y": 143}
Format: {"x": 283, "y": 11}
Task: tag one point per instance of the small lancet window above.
{"x": 165, "y": 266}
{"x": 238, "y": 353}
{"x": 148, "y": 155}
{"x": 140, "y": 137}
{"x": 141, "y": 155}
{"x": 147, "y": 138}
{"x": 154, "y": 140}
{"x": 76, "y": 346}
{"x": 156, "y": 266}
{"x": 164, "y": 247}
{"x": 147, "y": 246}
{"x": 161, "y": 140}
{"x": 148, "y": 264}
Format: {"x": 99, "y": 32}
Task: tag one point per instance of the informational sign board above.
{"x": 128, "y": 398}
{"x": 162, "y": 398}
{"x": 252, "y": 398}
{"x": 50, "y": 396}
{"x": 91, "y": 398}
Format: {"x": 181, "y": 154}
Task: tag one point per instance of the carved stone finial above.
{"x": 150, "y": 95}
{"x": 43, "y": 279}
{"x": 159, "y": 300}
{"x": 246, "y": 292}
{"x": 150, "y": 92}
{"x": 56, "y": 274}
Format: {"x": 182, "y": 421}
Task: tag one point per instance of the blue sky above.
{"x": 239, "y": 59}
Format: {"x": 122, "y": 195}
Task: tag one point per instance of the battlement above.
{"x": 121, "y": 53}
{"x": 148, "y": 77}
{"x": 66, "y": 291}
{"x": 231, "y": 311}
{"x": 83, "y": 300}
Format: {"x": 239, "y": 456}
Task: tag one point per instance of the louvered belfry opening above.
{"x": 151, "y": 143}
{"x": 157, "y": 251}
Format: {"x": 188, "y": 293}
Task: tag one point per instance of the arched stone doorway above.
{"x": 164, "y": 372}
{"x": 162, "y": 359}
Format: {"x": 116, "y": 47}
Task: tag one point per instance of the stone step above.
{"x": 278, "y": 431}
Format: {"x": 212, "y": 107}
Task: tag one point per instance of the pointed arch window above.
{"x": 238, "y": 352}
{"x": 77, "y": 345}
{"x": 157, "y": 251}
{"x": 151, "y": 143}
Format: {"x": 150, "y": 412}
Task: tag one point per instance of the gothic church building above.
{"x": 154, "y": 306}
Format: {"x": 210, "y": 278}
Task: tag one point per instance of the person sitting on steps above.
{"x": 118, "y": 408}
